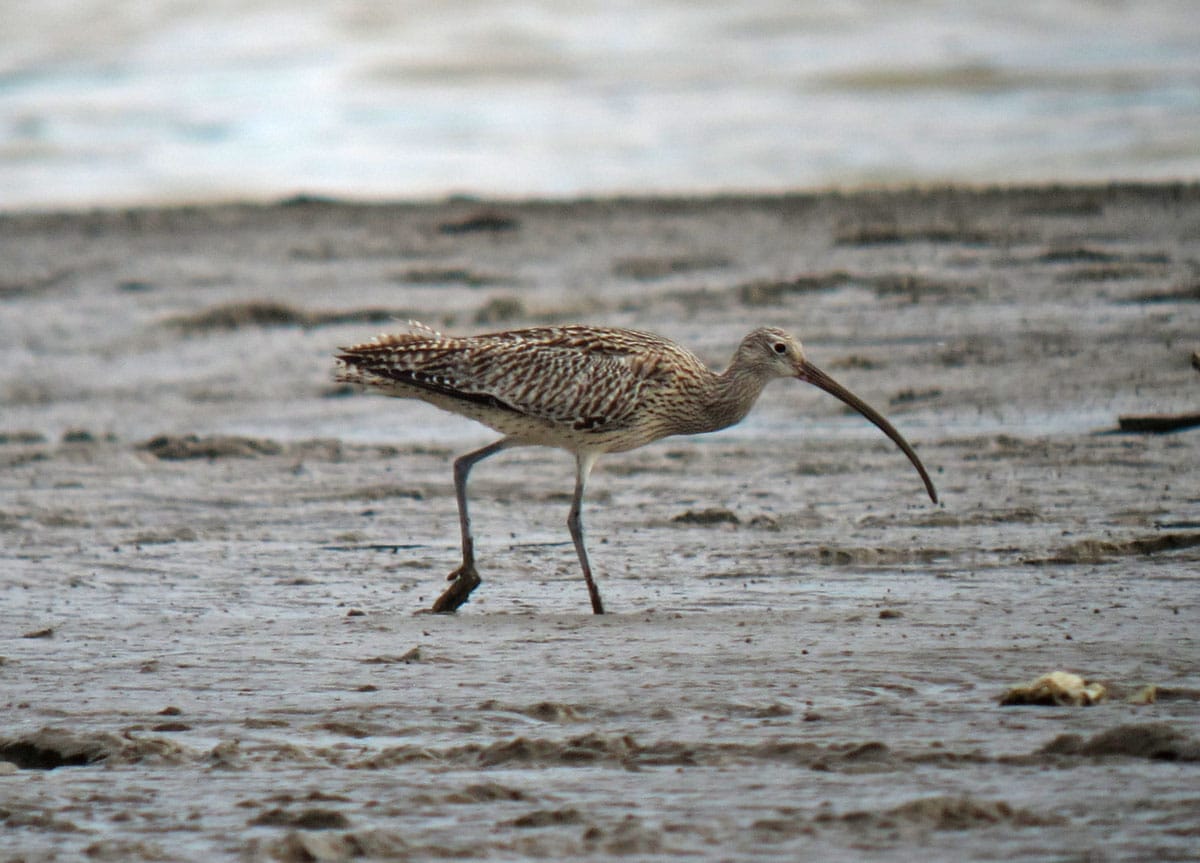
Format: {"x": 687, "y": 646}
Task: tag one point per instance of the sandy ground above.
{"x": 214, "y": 558}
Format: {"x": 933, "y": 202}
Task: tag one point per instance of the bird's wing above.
{"x": 573, "y": 377}
{"x": 564, "y": 386}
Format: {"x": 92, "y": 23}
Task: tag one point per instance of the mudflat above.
{"x": 214, "y": 559}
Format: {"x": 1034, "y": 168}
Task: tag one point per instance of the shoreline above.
{"x": 1156, "y": 188}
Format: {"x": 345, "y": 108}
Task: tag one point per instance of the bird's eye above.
{"x": 780, "y": 348}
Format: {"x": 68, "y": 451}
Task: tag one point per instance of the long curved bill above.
{"x": 813, "y": 375}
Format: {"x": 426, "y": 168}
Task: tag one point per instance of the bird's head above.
{"x": 774, "y": 353}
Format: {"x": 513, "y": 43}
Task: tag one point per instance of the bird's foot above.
{"x": 462, "y": 581}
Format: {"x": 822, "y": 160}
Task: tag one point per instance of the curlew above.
{"x": 588, "y": 390}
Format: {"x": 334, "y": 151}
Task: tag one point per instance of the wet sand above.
{"x": 213, "y": 557}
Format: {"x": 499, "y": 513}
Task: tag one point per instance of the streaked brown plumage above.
{"x": 588, "y": 390}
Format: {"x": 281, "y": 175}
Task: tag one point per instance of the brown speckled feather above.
{"x": 577, "y": 382}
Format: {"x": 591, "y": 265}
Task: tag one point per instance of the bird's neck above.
{"x": 730, "y": 396}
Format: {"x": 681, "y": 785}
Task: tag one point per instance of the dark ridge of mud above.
{"x": 233, "y": 316}
{"x": 413, "y": 654}
{"x": 170, "y": 727}
{"x": 300, "y": 846}
{"x": 585, "y": 749}
{"x": 21, "y": 438}
{"x": 1090, "y": 551}
{"x": 51, "y": 748}
{"x": 16, "y": 287}
{"x": 909, "y": 287}
{"x": 183, "y": 533}
{"x": 482, "y": 222}
{"x": 24, "y": 457}
{"x": 909, "y": 396}
{"x": 125, "y": 851}
{"x": 1155, "y": 740}
{"x": 181, "y": 447}
{"x": 596, "y": 749}
{"x": 769, "y": 293}
{"x": 1158, "y": 741}
{"x": 315, "y": 818}
{"x": 582, "y": 750}
{"x": 355, "y": 730}
{"x": 1066, "y": 207}
{"x": 546, "y": 818}
{"x": 449, "y": 276}
{"x": 84, "y": 436}
{"x": 499, "y": 310}
{"x": 711, "y": 517}
{"x": 651, "y": 268}
{"x": 857, "y": 362}
{"x": 327, "y": 251}
{"x": 1077, "y": 255}
{"x": 1109, "y": 273}
{"x": 264, "y": 313}
{"x": 485, "y": 792}
{"x": 14, "y": 816}
{"x": 372, "y": 493}
{"x": 1182, "y": 294}
{"x": 915, "y": 288}
{"x": 980, "y": 517}
{"x": 895, "y": 233}
{"x": 1176, "y": 693}
{"x": 544, "y": 711}
{"x": 850, "y": 556}
{"x": 946, "y": 813}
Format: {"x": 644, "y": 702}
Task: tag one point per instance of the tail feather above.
{"x": 417, "y": 328}
{"x": 378, "y": 362}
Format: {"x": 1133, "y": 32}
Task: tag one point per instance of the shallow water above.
{"x": 110, "y": 103}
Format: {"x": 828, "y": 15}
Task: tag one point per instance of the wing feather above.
{"x": 578, "y": 377}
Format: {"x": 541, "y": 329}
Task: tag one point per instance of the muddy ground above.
{"x": 214, "y": 558}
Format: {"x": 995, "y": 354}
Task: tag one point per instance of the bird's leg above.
{"x": 465, "y": 579}
{"x": 583, "y": 467}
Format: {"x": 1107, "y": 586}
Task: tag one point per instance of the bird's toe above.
{"x": 462, "y": 581}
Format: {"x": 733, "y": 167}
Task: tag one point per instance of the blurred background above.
{"x": 115, "y": 102}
